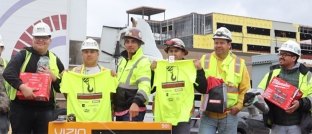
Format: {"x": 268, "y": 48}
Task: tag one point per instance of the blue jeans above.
{"x": 125, "y": 117}
{"x": 227, "y": 125}
{"x": 293, "y": 129}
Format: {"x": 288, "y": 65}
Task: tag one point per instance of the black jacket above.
{"x": 12, "y": 71}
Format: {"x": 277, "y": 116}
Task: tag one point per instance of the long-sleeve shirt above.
{"x": 13, "y": 69}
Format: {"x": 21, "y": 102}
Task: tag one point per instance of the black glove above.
{"x": 249, "y": 98}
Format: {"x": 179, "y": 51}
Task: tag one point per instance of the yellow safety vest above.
{"x": 135, "y": 74}
{"x": 52, "y": 65}
{"x": 231, "y": 66}
{"x": 6, "y": 85}
{"x": 89, "y": 96}
{"x": 3, "y": 62}
{"x": 304, "y": 85}
{"x": 174, "y": 98}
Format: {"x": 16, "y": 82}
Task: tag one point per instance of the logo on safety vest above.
{"x": 172, "y": 73}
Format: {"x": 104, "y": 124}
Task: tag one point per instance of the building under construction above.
{"x": 250, "y": 35}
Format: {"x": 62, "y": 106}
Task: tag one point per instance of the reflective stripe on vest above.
{"x": 3, "y": 62}
{"x": 232, "y": 92}
{"x": 127, "y": 85}
{"x": 237, "y": 63}
{"x": 206, "y": 61}
{"x": 131, "y": 71}
{"x": 133, "y": 87}
{"x": 52, "y": 65}
{"x": 309, "y": 76}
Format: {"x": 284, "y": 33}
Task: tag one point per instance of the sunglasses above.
{"x": 42, "y": 37}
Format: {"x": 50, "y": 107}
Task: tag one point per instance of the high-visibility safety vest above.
{"x": 89, "y": 96}
{"x": 232, "y": 66}
{"x": 304, "y": 85}
{"x": 135, "y": 74}
{"x": 4, "y": 100}
{"x": 174, "y": 98}
{"x": 3, "y": 64}
{"x": 6, "y": 85}
{"x": 52, "y": 66}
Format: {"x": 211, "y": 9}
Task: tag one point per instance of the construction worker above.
{"x": 225, "y": 65}
{"x": 94, "y": 92}
{"x": 30, "y": 116}
{"x": 90, "y": 56}
{"x": 4, "y": 100}
{"x": 174, "y": 104}
{"x": 296, "y": 74}
{"x": 134, "y": 74}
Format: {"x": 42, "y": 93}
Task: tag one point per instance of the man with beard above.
{"x": 288, "y": 121}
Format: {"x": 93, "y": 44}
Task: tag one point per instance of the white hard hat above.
{"x": 223, "y": 33}
{"x": 291, "y": 46}
{"x": 41, "y": 29}
{"x": 90, "y": 44}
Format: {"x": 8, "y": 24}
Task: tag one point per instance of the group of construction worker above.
{"x": 95, "y": 93}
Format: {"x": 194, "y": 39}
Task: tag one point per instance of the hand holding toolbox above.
{"x": 281, "y": 93}
{"x": 41, "y": 82}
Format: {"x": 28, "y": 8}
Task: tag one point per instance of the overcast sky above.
{"x": 113, "y": 13}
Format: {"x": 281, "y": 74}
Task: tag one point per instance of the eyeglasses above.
{"x": 41, "y": 37}
{"x": 285, "y": 54}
